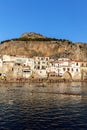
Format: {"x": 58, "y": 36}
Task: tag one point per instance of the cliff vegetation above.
{"x": 33, "y": 44}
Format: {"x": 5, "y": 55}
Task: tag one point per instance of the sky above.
{"x": 62, "y": 19}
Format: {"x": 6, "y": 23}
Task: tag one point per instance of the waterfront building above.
{"x": 53, "y": 67}
{"x": 17, "y": 70}
{"x": 84, "y": 70}
{"x": 40, "y": 66}
{"x": 7, "y": 64}
{"x": 21, "y": 60}
{"x": 66, "y": 68}
{"x": 30, "y": 63}
{"x": 41, "y": 63}
{"x": 69, "y": 69}
{"x": 26, "y": 72}
{"x": 8, "y": 58}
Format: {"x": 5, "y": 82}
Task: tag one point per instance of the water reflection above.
{"x": 31, "y": 106}
{"x": 26, "y": 92}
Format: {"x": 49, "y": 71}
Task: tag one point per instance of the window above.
{"x": 68, "y": 69}
{"x": 82, "y": 64}
{"x": 58, "y": 65}
{"x": 46, "y": 59}
{"x": 64, "y": 69}
{"x": 72, "y": 69}
{"x": 38, "y": 62}
{"x": 38, "y": 67}
{"x": 42, "y": 58}
{"x": 34, "y": 67}
{"x": 43, "y": 62}
{"x": 43, "y": 67}
{"x": 76, "y": 70}
{"x": 77, "y": 64}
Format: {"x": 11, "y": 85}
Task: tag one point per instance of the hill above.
{"x": 33, "y": 44}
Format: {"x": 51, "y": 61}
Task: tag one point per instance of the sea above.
{"x": 55, "y": 106}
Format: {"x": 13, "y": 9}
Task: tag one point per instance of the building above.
{"x": 21, "y": 60}
{"x": 40, "y": 66}
{"x": 84, "y": 70}
{"x": 30, "y": 63}
{"x": 26, "y": 72}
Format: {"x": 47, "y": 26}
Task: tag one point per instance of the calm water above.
{"x": 60, "y": 106}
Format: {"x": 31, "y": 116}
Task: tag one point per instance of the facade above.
{"x": 30, "y": 63}
{"x": 26, "y": 72}
{"x": 73, "y": 68}
{"x": 21, "y": 60}
{"x": 64, "y": 67}
{"x": 42, "y": 67}
{"x": 17, "y": 70}
{"x": 84, "y": 71}
{"x": 41, "y": 63}
{"x": 53, "y": 67}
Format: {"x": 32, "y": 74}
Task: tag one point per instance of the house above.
{"x": 71, "y": 67}
{"x": 20, "y": 60}
{"x": 41, "y": 62}
{"x": 30, "y": 63}
{"x": 26, "y": 72}
{"x": 84, "y": 70}
{"x": 17, "y": 70}
{"x": 40, "y": 66}
{"x": 53, "y": 67}
{"x": 6, "y": 58}
{"x": 66, "y": 68}
{"x": 75, "y": 69}
{"x": 7, "y": 63}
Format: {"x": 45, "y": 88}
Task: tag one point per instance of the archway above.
{"x": 84, "y": 74}
{"x": 67, "y": 75}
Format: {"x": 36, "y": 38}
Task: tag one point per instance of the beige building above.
{"x": 84, "y": 70}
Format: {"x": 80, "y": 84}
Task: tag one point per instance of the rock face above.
{"x": 32, "y": 44}
{"x": 32, "y": 35}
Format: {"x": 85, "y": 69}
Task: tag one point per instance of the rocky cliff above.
{"x": 32, "y": 44}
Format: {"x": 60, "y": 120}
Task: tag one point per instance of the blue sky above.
{"x": 62, "y": 19}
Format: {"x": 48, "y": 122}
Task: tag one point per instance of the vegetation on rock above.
{"x": 32, "y": 44}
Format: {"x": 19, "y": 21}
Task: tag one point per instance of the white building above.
{"x": 66, "y": 66}
{"x": 21, "y": 60}
{"x": 53, "y": 67}
{"x": 26, "y": 72}
{"x": 30, "y": 63}
{"x": 7, "y": 63}
{"x": 40, "y": 66}
{"x": 8, "y": 58}
{"x": 71, "y": 67}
